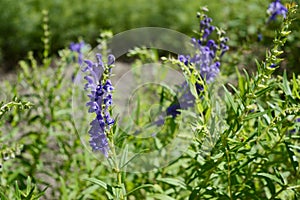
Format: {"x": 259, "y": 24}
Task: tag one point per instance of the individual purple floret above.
{"x": 100, "y": 88}
{"x": 276, "y": 8}
{"x": 77, "y": 47}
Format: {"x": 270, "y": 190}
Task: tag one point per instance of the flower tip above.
{"x": 181, "y": 58}
{"x": 217, "y": 64}
{"x": 111, "y": 59}
{"x": 194, "y": 41}
{"x": 89, "y": 63}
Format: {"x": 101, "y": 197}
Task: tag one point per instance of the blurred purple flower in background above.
{"x": 185, "y": 101}
{"x": 276, "y": 8}
{"x": 77, "y": 47}
{"x": 100, "y": 88}
{"x": 259, "y": 37}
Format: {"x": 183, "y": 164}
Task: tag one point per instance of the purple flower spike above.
{"x": 205, "y": 61}
{"x": 100, "y": 102}
{"x": 206, "y": 28}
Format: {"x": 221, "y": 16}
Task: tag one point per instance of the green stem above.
{"x": 120, "y": 186}
{"x": 228, "y": 173}
{"x": 120, "y": 193}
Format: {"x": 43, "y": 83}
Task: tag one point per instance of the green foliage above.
{"x": 24, "y": 21}
{"x": 30, "y": 193}
{"x": 9, "y": 151}
{"x": 68, "y": 20}
{"x": 46, "y": 133}
{"x": 249, "y": 159}
{"x": 15, "y": 103}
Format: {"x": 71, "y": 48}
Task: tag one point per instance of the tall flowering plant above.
{"x": 100, "y": 102}
{"x": 100, "y": 88}
{"x": 204, "y": 61}
{"x": 207, "y": 51}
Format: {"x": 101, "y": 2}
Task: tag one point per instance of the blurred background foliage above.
{"x": 21, "y": 25}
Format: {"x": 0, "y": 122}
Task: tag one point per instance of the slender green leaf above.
{"x": 173, "y": 181}
{"x": 138, "y": 188}
{"x": 63, "y": 189}
{"x": 17, "y": 191}
{"x": 255, "y": 115}
{"x": 90, "y": 190}
{"x": 271, "y": 186}
{"x": 291, "y": 156}
{"x": 241, "y": 82}
{"x": 286, "y": 86}
{"x": 30, "y": 195}
{"x": 98, "y": 182}
{"x": 229, "y": 100}
{"x": 295, "y": 87}
{"x": 123, "y": 161}
{"x": 271, "y": 177}
{"x": 265, "y": 90}
{"x": 3, "y": 197}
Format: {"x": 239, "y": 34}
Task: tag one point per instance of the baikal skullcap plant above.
{"x": 207, "y": 51}
{"x": 100, "y": 88}
{"x": 205, "y": 58}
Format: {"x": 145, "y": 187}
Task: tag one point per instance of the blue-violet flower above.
{"x": 100, "y": 88}
{"x": 205, "y": 60}
{"x": 77, "y": 47}
{"x": 276, "y": 8}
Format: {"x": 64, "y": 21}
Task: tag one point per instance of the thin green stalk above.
{"x": 120, "y": 193}
{"x": 228, "y": 173}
